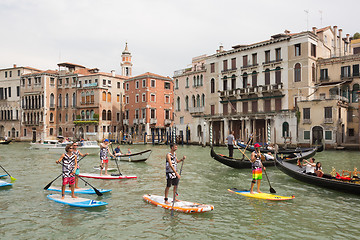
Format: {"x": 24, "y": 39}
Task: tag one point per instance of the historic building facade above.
{"x": 148, "y": 105}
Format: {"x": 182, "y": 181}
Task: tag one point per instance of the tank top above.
{"x": 173, "y": 162}
{"x": 77, "y": 153}
{"x": 257, "y": 163}
{"x": 68, "y": 165}
{"x": 103, "y": 153}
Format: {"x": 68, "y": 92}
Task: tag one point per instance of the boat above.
{"x": 5, "y": 141}
{"x": 294, "y": 171}
{"x": 79, "y": 190}
{"x": 55, "y": 146}
{"x": 134, "y": 157}
{"x": 76, "y": 202}
{"x": 106, "y": 177}
{"x": 251, "y": 148}
{"x": 44, "y": 144}
{"x": 179, "y": 206}
{"x": 265, "y": 196}
{"x": 245, "y": 163}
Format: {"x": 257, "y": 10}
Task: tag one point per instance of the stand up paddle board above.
{"x": 4, "y": 184}
{"x": 76, "y": 202}
{"x": 109, "y": 169}
{"x": 109, "y": 177}
{"x": 179, "y": 206}
{"x": 4, "y": 175}
{"x": 79, "y": 190}
{"x": 265, "y": 196}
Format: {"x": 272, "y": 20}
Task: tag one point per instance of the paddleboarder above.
{"x": 69, "y": 163}
{"x": 172, "y": 176}
{"x": 78, "y": 154}
{"x": 104, "y": 151}
{"x": 256, "y": 166}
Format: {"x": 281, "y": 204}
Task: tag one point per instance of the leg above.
{"x": 106, "y": 167}
{"x": 101, "y": 167}
{"x": 252, "y": 186}
{"x": 175, "y": 188}
{"x": 63, "y": 191}
{"x": 166, "y": 194}
{"x": 258, "y": 185}
{"x": 76, "y": 181}
{"x": 231, "y": 150}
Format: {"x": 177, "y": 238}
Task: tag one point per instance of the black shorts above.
{"x": 172, "y": 181}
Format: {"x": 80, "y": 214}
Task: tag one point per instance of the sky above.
{"x": 162, "y": 35}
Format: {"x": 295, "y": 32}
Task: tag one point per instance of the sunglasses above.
{"x": 71, "y": 148}
{"x": 75, "y": 145}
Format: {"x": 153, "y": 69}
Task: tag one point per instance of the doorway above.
{"x": 317, "y": 135}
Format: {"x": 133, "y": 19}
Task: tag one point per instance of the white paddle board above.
{"x": 4, "y": 184}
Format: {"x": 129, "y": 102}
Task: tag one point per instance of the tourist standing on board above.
{"x": 104, "y": 151}
{"x": 69, "y": 163}
{"x": 256, "y": 166}
{"x": 230, "y": 142}
{"x": 172, "y": 176}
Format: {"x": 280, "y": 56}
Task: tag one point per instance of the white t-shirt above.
{"x": 309, "y": 168}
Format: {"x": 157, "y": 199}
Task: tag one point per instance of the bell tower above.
{"x": 126, "y": 65}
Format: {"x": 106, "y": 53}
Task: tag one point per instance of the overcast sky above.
{"x": 162, "y": 36}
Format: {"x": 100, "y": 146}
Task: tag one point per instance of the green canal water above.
{"x": 315, "y": 213}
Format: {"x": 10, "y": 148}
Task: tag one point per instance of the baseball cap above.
{"x": 257, "y": 145}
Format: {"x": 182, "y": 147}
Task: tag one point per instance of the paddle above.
{"x": 47, "y": 186}
{"x": 12, "y": 178}
{"x": 271, "y": 189}
{"x": 247, "y": 144}
{"x": 117, "y": 165}
{"x": 175, "y": 192}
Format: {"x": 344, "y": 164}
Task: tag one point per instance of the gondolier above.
{"x": 230, "y": 142}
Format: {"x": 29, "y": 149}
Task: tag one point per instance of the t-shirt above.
{"x": 117, "y": 150}
{"x": 309, "y": 168}
{"x": 230, "y": 139}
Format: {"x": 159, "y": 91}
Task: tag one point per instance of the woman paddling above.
{"x": 69, "y": 163}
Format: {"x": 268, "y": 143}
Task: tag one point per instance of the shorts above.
{"x": 69, "y": 180}
{"x": 172, "y": 181}
{"x": 106, "y": 160}
{"x": 257, "y": 174}
{"x": 77, "y": 172}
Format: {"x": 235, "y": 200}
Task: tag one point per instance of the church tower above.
{"x": 126, "y": 65}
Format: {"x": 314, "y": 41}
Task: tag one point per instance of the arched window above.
{"x": 176, "y": 83}
{"x": 66, "y": 117}
{"x": 225, "y": 83}
{"x": 82, "y": 114}
{"x": 187, "y": 82}
{"x": 194, "y": 81}
{"x": 51, "y": 117}
{"x": 92, "y": 97}
{"x": 233, "y": 82}
{"x": 178, "y": 104}
{"x": 187, "y": 103}
{"x": 52, "y": 100}
{"x": 104, "y": 115}
{"x": 109, "y": 97}
{"x": 74, "y": 100}
{"x": 87, "y": 97}
{"x": 83, "y": 99}
{"x": 198, "y": 100}
{"x": 245, "y": 80}
{"x": 87, "y": 114}
{"x": 109, "y": 115}
{"x": 92, "y": 114}
{"x": 278, "y": 75}
{"x": 67, "y": 100}
{"x": 193, "y": 101}
{"x": 198, "y": 80}
{"x": 254, "y": 78}
{"x": 313, "y": 72}
{"x": 73, "y": 117}
{"x": 212, "y": 85}
{"x": 201, "y": 80}
{"x": 355, "y": 97}
{"x": 60, "y": 117}
{"x": 104, "y": 96}
{"x": 203, "y": 100}
{"x": 60, "y": 131}
{"x": 285, "y": 129}
{"x": 60, "y": 100}
{"x": 267, "y": 76}
{"x": 297, "y": 72}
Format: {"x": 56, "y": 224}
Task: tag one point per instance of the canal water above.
{"x": 315, "y": 213}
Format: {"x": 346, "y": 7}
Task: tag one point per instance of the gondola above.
{"x": 244, "y": 163}
{"x": 251, "y": 148}
{"x": 135, "y": 157}
{"x": 297, "y": 172}
{"x": 5, "y": 141}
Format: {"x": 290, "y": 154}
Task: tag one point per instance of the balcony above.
{"x": 125, "y": 121}
{"x": 272, "y": 62}
{"x": 95, "y": 84}
{"x": 52, "y": 106}
{"x": 328, "y": 120}
{"x": 251, "y": 90}
{"x": 249, "y": 66}
{"x": 153, "y": 120}
{"x": 142, "y": 121}
{"x": 136, "y": 121}
{"x": 167, "y": 121}
{"x": 229, "y": 70}
{"x": 86, "y": 121}
{"x": 306, "y": 121}
{"x": 197, "y": 110}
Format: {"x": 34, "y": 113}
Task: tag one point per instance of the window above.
{"x": 225, "y": 108}
{"x": 225, "y": 83}
{"x": 127, "y": 86}
{"x": 267, "y": 106}
{"x": 186, "y": 103}
{"x": 285, "y": 129}
{"x": 233, "y": 82}
{"x": 245, "y": 107}
{"x": 313, "y": 50}
{"x": 152, "y": 113}
{"x": 278, "y": 104}
{"x": 67, "y": 100}
{"x": 254, "y": 79}
{"x": 117, "y": 97}
{"x": 109, "y": 115}
{"x": 245, "y": 61}
{"x": 18, "y": 71}
{"x": 355, "y": 96}
{"x": 60, "y": 101}
{"x": 118, "y": 85}
{"x": 328, "y": 135}
{"x": 152, "y": 83}
{"x": 306, "y": 113}
{"x": 109, "y": 83}
{"x": 29, "y": 81}
{"x": 297, "y": 49}
{"x": 306, "y": 135}
{"x": 51, "y": 118}
{"x": 152, "y": 98}
{"x": 254, "y": 59}
{"x": 212, "y": 85}
{"x": 127, "y": 100}
{"x": 178, "y": 104}
{"x": 225, "y": 65}
{"x": 137, "y": 84}
{"x": 278, "y": 54}
{"x": 345, "y": 72}
{"x": 176, "y": 83}
{"x": 104, "y": 82}
{"x": 328, "y": 112}
{"x": 167, "y": 85}
{"x": 66, "y": 81}
{"x": 212, "y": 109}
{"x": 267, "y": 76}
{"x": 144, "y": 97}
{"x": 52, "y": 81}
{"x": 51, "y": 132}
{"x": 167, "y": 99}
{"x": 167, "y": 114}
{"x": 18, "y": 91}
{"x": 52, "y": 100}
{"x": 254, "y": 106}
{"x": 6, "y": 74}
{"x": 212, "y": 67}
{"x": 267, "y": 56}
{"x": 351, "y": 132}
{"x": 324, "y": 74}
{"x": 278, "y": 75}
{"x": 144, "y": 83}
{"x": 297, "y": 72}
{"x": 103, "y": 115}
{"x": 245, "y": 82}
{"x": 143, "y": 113}
{"x": 104, "y": 96}
{"x": 187, "y": 82}
{"x": 233, "y": 63}
{"x": 10, "y": 73}
{"x": 74, "y": 100}
{"x": 181, "y": 120}
{"x": 9, "y": 92}
{"x": 109, "y": 97}
{"x": 136, "y": 98}
{"x": 313, "y": 72}
{"x": 356, "y": 70}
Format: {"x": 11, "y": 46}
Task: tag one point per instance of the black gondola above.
{"x": 297, "y": 172}
{"x": 251, "y": 148}
{"x": 5, "y": 141}
{"x": 134, "y": 157}
{"x": 244, "y": 163}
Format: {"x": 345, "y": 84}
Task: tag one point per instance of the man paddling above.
{"x": 172, "y": 176}
{"x": 256, "y": 166}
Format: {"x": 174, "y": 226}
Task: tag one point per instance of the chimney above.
{"x": 335, "y": 41}
{"x": 14, "y": 65}
{"x": 287, "y": 32}
{"x": 113, "y": 73}
{"x": 221, "y": 48}
{"x": 341, "y": 50}
{"x": 348, "y": 43}
{"x": 314, "y": 30}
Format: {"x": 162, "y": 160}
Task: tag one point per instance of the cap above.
{"x": 257, "y": 145}
{"x": 106, "y": 140}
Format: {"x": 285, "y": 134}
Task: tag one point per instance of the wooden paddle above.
{"x": 47, "y": 186}
{"x": 12, "y": 178}
{"x": 175, "y": 192}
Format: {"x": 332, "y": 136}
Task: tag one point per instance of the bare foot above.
{"x": 74, "y": 196}
{"x": 167, "y": 202}
{"x": 259, "y": 191}
{"x": 252, "y": 192}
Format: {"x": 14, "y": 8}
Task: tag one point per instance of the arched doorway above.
{"x": 81, "y": 132}
{"x": 199, "y": 133}
{"x": 13, "y": 133}
{"x": 2, "y": 131}
{"x": 317, "y": 135}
